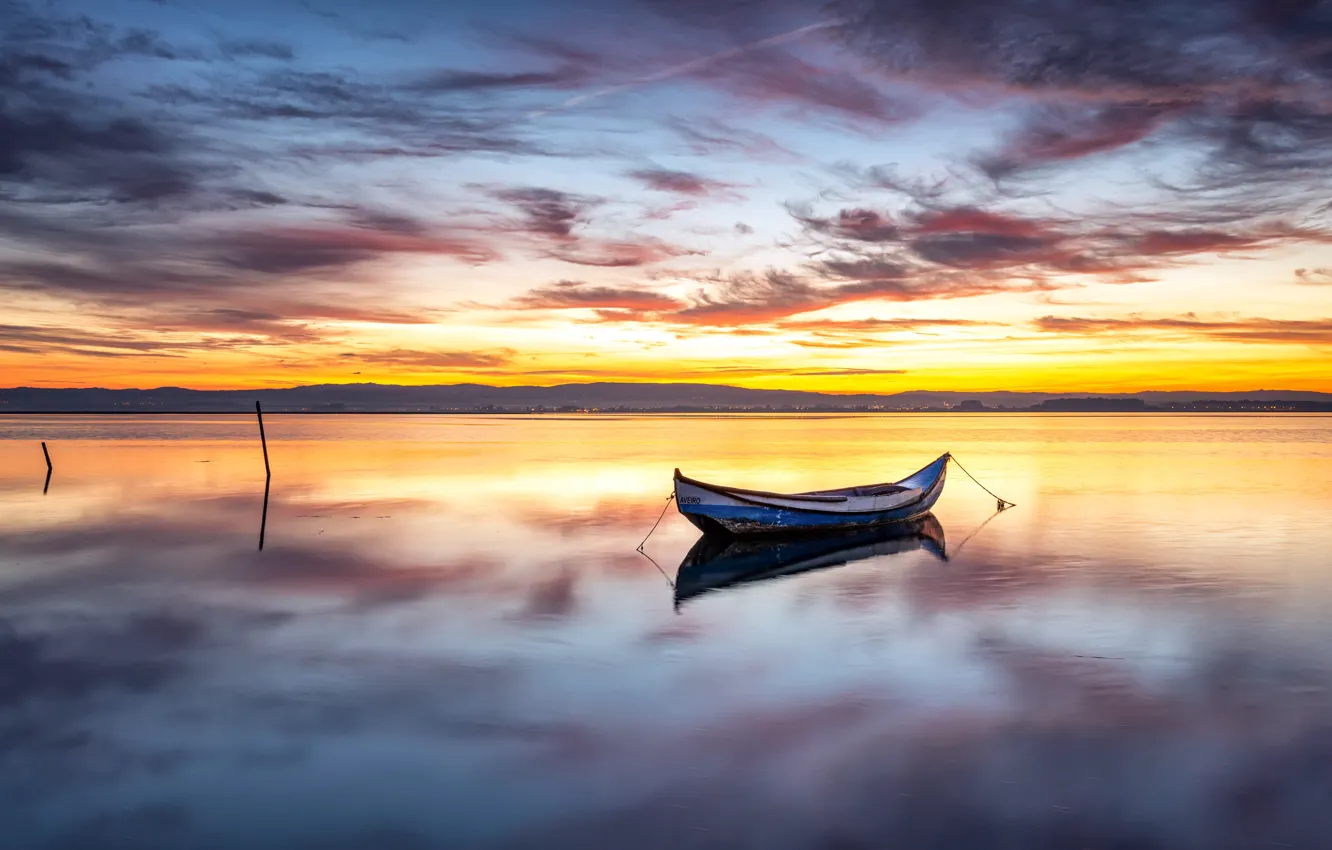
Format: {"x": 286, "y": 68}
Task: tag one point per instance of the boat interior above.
{"x": 867, "y": 490}
{"x": 921, "y": 478}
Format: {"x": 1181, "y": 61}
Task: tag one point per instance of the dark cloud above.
{"x": 953, "y": 220}
{"x": 613, "y": 254}
{"x": 295, "y": 94}
{"x": 751, "y": 299}
{"x": 303, "y": 249}
{"x": 272, "y": 325}
{"x": 548, "y": 212}
{"x": 745, "y": 299}
{"x": 368, "y": 115}
{"x": 452, "y": 81}
{"x": 336, "y": 307}
{"x": 164, "y": 292}
{"x": 557, "y": 221}
{"x": 1252, "y": 118}
{"x": 141, "y": 42}
{"x": 17, "y": 66}
{"x": 681, "y": 182}
{"x": 572, "y": 294}
{"x": 1314, "y": 277}
{"x": 773, "y": 296}
{"x": 861, "y": 225}
{"x": 246, "y": 48}
{"x": 45, "y": 340}
{"x": 186, "y": 260}
{"x": 780, "y": 77}
{"x": 63, "y": 140}
{"x": 765, "y": 68}
{"x": 81, "y": 156}
{"x": 1265, "y": 148}
{"x": 202, "y": 298}
{"x": 951, "y": 237}
{"x": 1242, "y": 83}
{"x": 366, "y": 23}
{"x": 1097, "y": 48}
{"x": 449, "y": 360}
{"x": 932, "y": 237}
{"x": 1296, "y": 331}
{"x": 1057, "y": 134}
{"x": 867, "y": 245}
{"x": 973, "y": 250}
{"x": 713, "y": 137}
{"x": 924, "y": 192}
{"x": 257, "y": 198}
{"x": 103, "y": 186}
{"x": 868, "y": 268}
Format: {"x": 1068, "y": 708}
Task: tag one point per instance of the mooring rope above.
{"x": 657, "y": 523}
{"x": 1004, "y": 504}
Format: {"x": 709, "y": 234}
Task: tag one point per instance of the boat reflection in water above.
{"x": 719, "y": 561}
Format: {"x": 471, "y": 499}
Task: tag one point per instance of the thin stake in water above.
{"x": 262, "y": 439}
{"x": 268, "y": 475}
{"x": 47, "y": 454}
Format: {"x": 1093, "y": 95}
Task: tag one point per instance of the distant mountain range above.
{"x": 458, "y": 398}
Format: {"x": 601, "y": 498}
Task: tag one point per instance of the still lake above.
{"x": 449, "y": 641}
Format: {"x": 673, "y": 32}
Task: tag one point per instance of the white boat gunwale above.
{"x": 740, "y": 491}
{"x": 824, "y": 497}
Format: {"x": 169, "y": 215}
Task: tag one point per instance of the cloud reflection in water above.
{"x": 403, "y": 667}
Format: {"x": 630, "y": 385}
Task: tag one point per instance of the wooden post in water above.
{"x": 262, "y": 439}
{"x": 268, "y": 475}
{"x": 47, "y": 485}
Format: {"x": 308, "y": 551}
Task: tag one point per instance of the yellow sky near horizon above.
{"x": 998, "y": 360}
{"x": 1095, "y": 338}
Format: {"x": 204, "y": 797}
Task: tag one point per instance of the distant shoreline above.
{"x": 622, "y": 398}
{"x": 1326, "y": 409}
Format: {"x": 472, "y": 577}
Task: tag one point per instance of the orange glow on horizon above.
{"x": 1226, "y": 369}
{"x": 1012, "y": 341}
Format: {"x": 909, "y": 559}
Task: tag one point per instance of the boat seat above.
{"x": 880, "y": 490}
{"x": 867, "y": 490}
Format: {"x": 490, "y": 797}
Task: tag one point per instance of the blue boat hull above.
{"x": 745, "y": 512}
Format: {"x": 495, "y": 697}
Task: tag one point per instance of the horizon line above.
{"x": 1067, "y": 393}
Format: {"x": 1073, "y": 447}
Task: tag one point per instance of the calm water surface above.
{"x": 449, "y": 641}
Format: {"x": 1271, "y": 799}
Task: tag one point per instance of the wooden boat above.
{"x": 723, "y": 560}
{"x": 714, "y": 508}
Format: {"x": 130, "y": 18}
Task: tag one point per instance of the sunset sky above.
{"x": 871, "y": 195}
